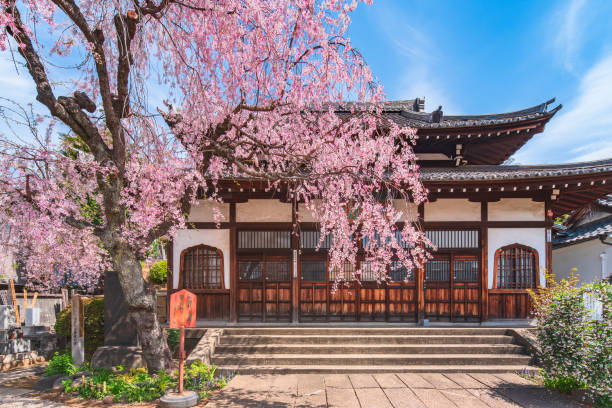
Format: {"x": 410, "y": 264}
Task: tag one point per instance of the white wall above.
{"x": 585, "y": 257}
{"x": 202, "y": 211}
{"x": 532, "y": 237}
{"x": 410, "y": 210}
{"x": 218, "y": 238}
{"x": 516, "y": 209}
{"x": 263, "y": 211}
{"x": 452, "y": 209}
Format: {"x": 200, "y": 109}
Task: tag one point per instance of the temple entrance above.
{"x": 264, "y": 288}
{"x": 451, "y": 288}
{"x": 367, "y": 301}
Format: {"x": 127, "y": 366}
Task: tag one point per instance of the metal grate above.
{"x": 250, "y": 270}
{"x": 310, "y": 240}
{"x": 466, "y": 270}
{"x": 516, "y": 268}
{"x": 264, "y": 239}
{"x": 437, "y": 270}
{"x": 453, "y": 238}
{"x": 398, "y": 272}
{"x": 202, "y": 268}
{"x": 313, "y": 270}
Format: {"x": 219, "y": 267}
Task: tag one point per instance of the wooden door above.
{"x": 437, "y": 288}
{"x": 452, "y": 288}
{"x": 314, "y": 289}
{"x": 465, "y": 288}
{"x": 264, "y": 288}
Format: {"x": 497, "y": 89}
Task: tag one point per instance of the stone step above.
{"x": 371, "y": 331}
{"x": 370, "y": 359}
{"x": 229, "y": 339}
{"x": 370, "y": 369}
{"x": 222, "y": 350}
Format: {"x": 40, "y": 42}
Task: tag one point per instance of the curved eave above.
{"x": 570, "y": 186}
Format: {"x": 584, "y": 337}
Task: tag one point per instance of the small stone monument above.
{"x": 78, "y": 330}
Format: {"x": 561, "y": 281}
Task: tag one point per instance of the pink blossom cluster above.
{"x": 256, "y": 91}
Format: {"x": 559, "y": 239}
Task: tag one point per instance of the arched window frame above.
{"x": 181, "y": 284}
{"x": 514, "y": 246}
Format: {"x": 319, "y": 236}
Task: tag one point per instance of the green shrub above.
{"x": 94, "y": 324}
{"x": 138, "y": 385}
{"x": 159, "y": 272}
{"x": 576, "y": 351}
{"x": 61, "y": 364}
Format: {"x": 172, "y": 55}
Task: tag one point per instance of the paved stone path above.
{"x": 405, "y": 390}
{"x": 11, "y": 397}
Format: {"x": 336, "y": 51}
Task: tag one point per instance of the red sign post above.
{"x": 182, "y": 314}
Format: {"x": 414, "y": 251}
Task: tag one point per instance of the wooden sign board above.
{"x": 182, "y": 309}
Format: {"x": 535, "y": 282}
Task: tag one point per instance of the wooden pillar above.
{"x": 233, "y": 265}
{"x": 548, "y": 236}
{"x": 420, "y": 274}
{"x": 295, "y": 262}
{"x": 484, "y": 261}
{"x": 170, "y": 274}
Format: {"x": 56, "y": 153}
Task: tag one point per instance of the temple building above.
{"x": 491, "y": 223}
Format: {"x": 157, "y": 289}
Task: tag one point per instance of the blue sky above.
{"x": 487, "y": 57}
{"x": 475, "y": 57}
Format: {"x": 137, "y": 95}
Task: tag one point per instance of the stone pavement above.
{"x": 405, "y": 390}
{"x": 11, "y": 397}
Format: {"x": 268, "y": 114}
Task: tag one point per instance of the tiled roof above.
{"x": 501, "y": 172}
{"x": 584, "y": 232}
{"x": 606, "y": 201}
{"x": 408, "y": 113}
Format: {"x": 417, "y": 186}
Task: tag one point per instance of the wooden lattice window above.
{"x": 202, "y": 268}
{"x": 516, "y": 267}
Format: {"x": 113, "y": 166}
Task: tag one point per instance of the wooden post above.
{"x": 14, "y": 296}
{"x": 25, "y": 299}
{"x": 295, "y": 280}
{"x": 78, "y": 330}
{"x": 34, "y": 299}
{"x": 234, "y": 292}
{"x": 484, "y": 261}
{"x": 181, "y": 359}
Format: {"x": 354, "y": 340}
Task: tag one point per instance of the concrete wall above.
{"x": 218, "y": 238}
{"x": 586, "y": 258}
{"x": 516, "y": 209}
{"x": 532, "y": 237}
{"x": 203, "y": 211}
{"x": 263, "y": 211}
{"x": 452, "y": 209}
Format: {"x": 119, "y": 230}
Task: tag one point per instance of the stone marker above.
{"x": 32, "y": 316}
{"x": 78, "y": 331}
{"x": 121, "y": 345}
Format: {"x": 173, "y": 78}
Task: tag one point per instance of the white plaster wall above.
{"x": 263, "y": 211}
{"x": 410, "y": 211}
{"x": 304, "y": 214}
{"x": 532, "y": 237}
{"x": 202, "y": 211}
{"x": 452, "y": 209}
{"x": 185, "y": 238}
{"x": 585, "y": 257}
{"x": 516, "y": 209}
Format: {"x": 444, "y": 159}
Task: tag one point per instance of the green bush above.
{"x": 159, "y": 272}
{"x": 61, "y": 364}
{"x": 94, "y": 324}
{"x": 138, "y": 385}
{"x": 576, "y": 350}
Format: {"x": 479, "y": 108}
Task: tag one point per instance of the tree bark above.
{"x": 141, "y": 303}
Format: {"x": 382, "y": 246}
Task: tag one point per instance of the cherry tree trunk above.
{"x": 140, "y": 299}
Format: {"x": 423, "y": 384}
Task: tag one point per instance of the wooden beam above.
{"x": 234, "y": 292}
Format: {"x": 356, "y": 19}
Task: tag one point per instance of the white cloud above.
{"x": 418, "y": 78}
{"x": 569, "y": 34}
{"x": 16, "y": 84}
{"x": 583, "y": 130}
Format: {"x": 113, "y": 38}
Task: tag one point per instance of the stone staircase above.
{"x": 368, "y": 350}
